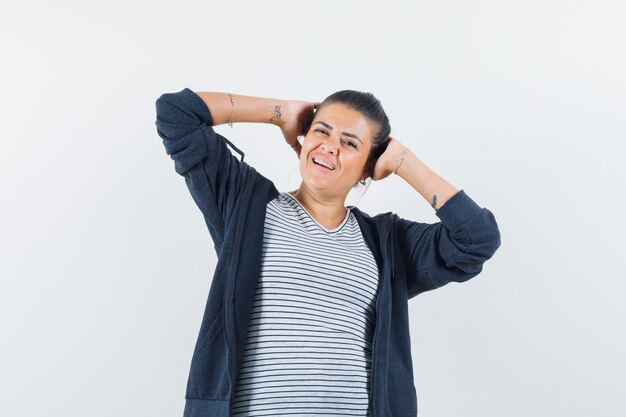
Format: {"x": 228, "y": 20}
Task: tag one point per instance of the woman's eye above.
{"x": 350, "y": 143}
{"x": 320, "y": 130}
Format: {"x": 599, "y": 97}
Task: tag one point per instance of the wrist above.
{"x": 400, "y": 160}
{"x": 277, "y": 111}
{"x": 251, "y": 109}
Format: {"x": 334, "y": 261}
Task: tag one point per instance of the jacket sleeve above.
{"x": 213, "y": 175}
{"x": 453, "y": 249}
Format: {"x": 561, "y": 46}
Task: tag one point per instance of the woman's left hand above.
{"x": 388, "y": 161}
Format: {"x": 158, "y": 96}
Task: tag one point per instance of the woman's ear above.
{"x": 368, "y": 169}
{"x": 364, "y": 176}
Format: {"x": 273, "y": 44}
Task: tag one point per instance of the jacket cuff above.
{"x": 198, "y": 106}
{"x": 457, "y": 210}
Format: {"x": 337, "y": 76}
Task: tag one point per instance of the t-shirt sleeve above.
{"x": 453, "y": 249}
{"x": 214, "y": 176}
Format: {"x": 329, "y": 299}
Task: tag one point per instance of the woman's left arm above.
{"x": 453, "y": 249}
{"x": 424, "y": 180}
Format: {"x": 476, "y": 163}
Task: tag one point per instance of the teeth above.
{"x": 319, "y": 161}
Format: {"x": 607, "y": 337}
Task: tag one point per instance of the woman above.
{"x": 307, "y": 312}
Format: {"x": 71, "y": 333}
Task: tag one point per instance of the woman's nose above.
{"x": 330, "y": 145}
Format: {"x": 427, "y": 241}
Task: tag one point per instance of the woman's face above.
{"x": 341, "y": 138}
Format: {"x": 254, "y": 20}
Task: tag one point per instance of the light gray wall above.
{"x": 106, "y": 262}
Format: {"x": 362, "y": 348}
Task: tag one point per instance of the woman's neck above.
{"x": 327, "y": 212}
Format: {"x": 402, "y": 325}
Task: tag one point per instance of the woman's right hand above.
{"x": 298, "y": 116}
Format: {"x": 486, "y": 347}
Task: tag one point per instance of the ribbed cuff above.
{"x": 205, "y": 408}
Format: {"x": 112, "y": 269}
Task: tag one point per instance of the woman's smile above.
{"x": 323, "y": 163}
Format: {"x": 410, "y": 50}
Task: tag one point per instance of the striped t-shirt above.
{"x": 309, "y": 341}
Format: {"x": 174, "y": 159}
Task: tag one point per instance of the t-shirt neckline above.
{"x": 336, "y": 229}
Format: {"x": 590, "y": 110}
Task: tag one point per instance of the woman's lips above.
{"x": 322, "y": 161}
{"x": 321, "y": 167}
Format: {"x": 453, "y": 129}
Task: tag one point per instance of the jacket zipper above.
{"x": 375, "y": 345}
{"x": 230, "y": 290}
{"x": 228, "y": 370}
{"x": 227, "y": 343}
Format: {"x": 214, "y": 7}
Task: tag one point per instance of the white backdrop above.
{"x": 105, "y": 261}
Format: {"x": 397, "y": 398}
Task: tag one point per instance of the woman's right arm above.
{"x": 292, "y": 116}
{"x": 214, "y": 176}
{"x": 243, "y": 109}
{"x": 185, "y": 120}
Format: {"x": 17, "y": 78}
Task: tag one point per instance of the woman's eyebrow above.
{"x": 329, "y": 127}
